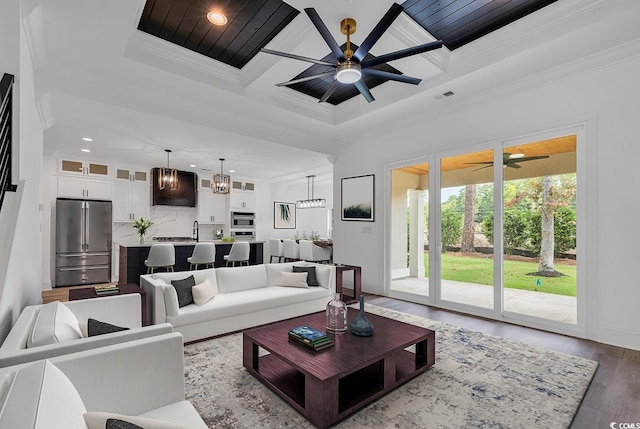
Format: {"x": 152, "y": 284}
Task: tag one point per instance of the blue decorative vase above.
{"x": 361, "y": 326}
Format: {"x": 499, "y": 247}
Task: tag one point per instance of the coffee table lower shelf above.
{"x": 324, "y": 402}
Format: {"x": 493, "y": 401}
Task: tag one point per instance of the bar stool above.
{"x": 276, "y": 249}
{"x": 161, "y": 256}
{"x": 311, "y": 252}
{"x": 203, "y": 254}
{"x": 239, "y": 253}
{"x": 291, "y": 250}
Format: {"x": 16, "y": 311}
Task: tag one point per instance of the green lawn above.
{"x": 480, "y": 271}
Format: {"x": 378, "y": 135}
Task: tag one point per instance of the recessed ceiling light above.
{"x": 232, "y": 171}
{"x": 86, "y": 150}
{"x": 192, "y": 165}
{"x": 87, "y": 139}
{"x": 217, "y": 18}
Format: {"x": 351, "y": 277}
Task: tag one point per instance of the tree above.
{"x": 469, "y": 228}
{"x": 451, "y": 227}
{"x": 545, "y": 265}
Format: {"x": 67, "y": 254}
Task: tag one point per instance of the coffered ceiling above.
{"x": 97, "y": 74}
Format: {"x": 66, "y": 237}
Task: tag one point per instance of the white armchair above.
{"x": 120, "y": 310}
{"x": 311, "y": 252}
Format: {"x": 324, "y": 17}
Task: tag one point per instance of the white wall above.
{"x": 606, "y": 99}
{"x": 20, "y": 219}
{"x": 290, "y": 191}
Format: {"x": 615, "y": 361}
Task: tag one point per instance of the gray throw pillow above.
{"x": 96, "y": 327}
{"x": 183, "y": 290}
{"x": 311, "y": 271}
{"x": 121, "y": 424}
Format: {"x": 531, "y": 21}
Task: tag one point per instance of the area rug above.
{"x": 478, "y": 381}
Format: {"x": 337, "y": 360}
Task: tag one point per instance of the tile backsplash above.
{"x": 167, "y": 222}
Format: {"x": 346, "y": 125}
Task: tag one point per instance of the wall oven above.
{"x": 243, "y": 220}
{"x": 243, "y": 235}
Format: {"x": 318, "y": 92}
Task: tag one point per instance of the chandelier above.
{"x": 311, "y": 202}
{"x": 221, "y": 182}
{"x": 168, "y": 176}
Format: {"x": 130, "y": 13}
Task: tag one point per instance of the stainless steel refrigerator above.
{"x": 83, "y": 242}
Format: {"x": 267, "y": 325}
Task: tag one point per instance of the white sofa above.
{"x": 121, "y": 310}
{"x": 244, "y": 297}
{"x": 121, "y": 378}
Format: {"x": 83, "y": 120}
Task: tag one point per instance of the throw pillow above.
{"x": 54, "y": 324}
{"x": 121, "y": 424}
{"x": 293, "y": 279}
{"x": 311, "y": 279}
{"x": 203, "y": 293}
{"x": 98, "y": 420}
{"x": 183, "y": 289}
{"x": 96, "y": 327}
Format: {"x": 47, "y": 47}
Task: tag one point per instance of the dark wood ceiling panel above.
{"x": 458, "y": 22}
{"x": 251, "y": 25}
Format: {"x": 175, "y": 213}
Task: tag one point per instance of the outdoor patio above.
{"x": 546, "y": 305}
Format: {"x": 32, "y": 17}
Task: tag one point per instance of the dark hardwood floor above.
{"x": 614, "y": 393}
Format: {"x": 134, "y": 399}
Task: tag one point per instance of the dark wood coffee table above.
{"x": 124, "y": 289}
{"x": 329, "y": 385}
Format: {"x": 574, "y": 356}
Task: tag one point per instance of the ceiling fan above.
{"x": 351, "y": 66}
{"x": 510, "y": 160}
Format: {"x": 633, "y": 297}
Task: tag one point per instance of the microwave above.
{"x": 243, "y": 235}
{"x": 243, "y": 220}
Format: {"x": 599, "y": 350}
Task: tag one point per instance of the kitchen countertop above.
{"x": 148, "y": 243}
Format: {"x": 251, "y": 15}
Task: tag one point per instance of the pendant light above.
{"x": 168, "y": 176}
{"x": 311, "y": 202}
{"x": 221, "y": 182}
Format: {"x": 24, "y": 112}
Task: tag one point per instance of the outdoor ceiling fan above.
{"x": 510, "y": 160}
{"x": 351, "y": 66}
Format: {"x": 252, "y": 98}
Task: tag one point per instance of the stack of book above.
{"x": 310, "y": 338}
{"x": 107, "y": 289}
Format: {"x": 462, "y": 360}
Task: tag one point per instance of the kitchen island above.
{"x": 133, "y": 254}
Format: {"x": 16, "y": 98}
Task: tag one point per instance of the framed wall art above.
{"x": 284, "y": 215}
{"x": 358, "y": 198}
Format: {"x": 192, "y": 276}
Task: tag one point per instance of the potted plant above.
{"x": 142, "y": 225}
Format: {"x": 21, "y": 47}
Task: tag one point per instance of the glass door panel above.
{"x": 539, "y": 231}
{"x": 466, "y": 209}
{"x": 409, "y": 232}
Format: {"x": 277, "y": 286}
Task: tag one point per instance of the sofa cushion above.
{"x": 55, "y": 323}
{"x": 274, "y": 270}
{"x": 323, "y": 273}
{"x": 96, "y": 327}
{"x": 203, "y": 293}
{"x": 234, "y": 279}
{"x": 42, "y": 397}
{"x": 293, "y": 279}
{"x": 98, "y": 420}
{"x": 246, "y": 302}
{"x": 170, "y": 300}
{"x": 183, "y": 290}
{"x": 311, "y": 279}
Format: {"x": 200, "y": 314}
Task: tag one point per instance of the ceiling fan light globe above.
{"x": 348, "y": 72}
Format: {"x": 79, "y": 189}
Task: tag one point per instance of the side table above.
{"x": 90, "y": 292}
{"x": 357, "y": 282}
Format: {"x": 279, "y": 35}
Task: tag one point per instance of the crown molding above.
{"x": 34, "y": 35}
{"x": 410, "y": 33}
{"x": 43, "y": 107}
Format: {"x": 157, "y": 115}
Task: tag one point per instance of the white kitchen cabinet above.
{"x": 242, "y": 200}
{"x": 81, "y": 187}
{"x": 211, "y": 207}
{"x": 131, "y": 200}
{"x": 240, "y": 185}
{"x": 79, "y": 167}
{"x": 132, "y": 175}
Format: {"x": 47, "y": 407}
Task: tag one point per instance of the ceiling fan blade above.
{"x": 403, "y": 53}
{"x": 306, "y": 78}
{"x": 297, "y": 57}
{"x": 391, "y": 76}
{"x": 329, "y": 91}
{"x": 531, "y": 158}
{"x": 324, "y": 32}
{"x": 378, "y": 31}
{"x": 481, "y": 168}
{"x": 362, "y": 87}
{"x": 512, "y": 165}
